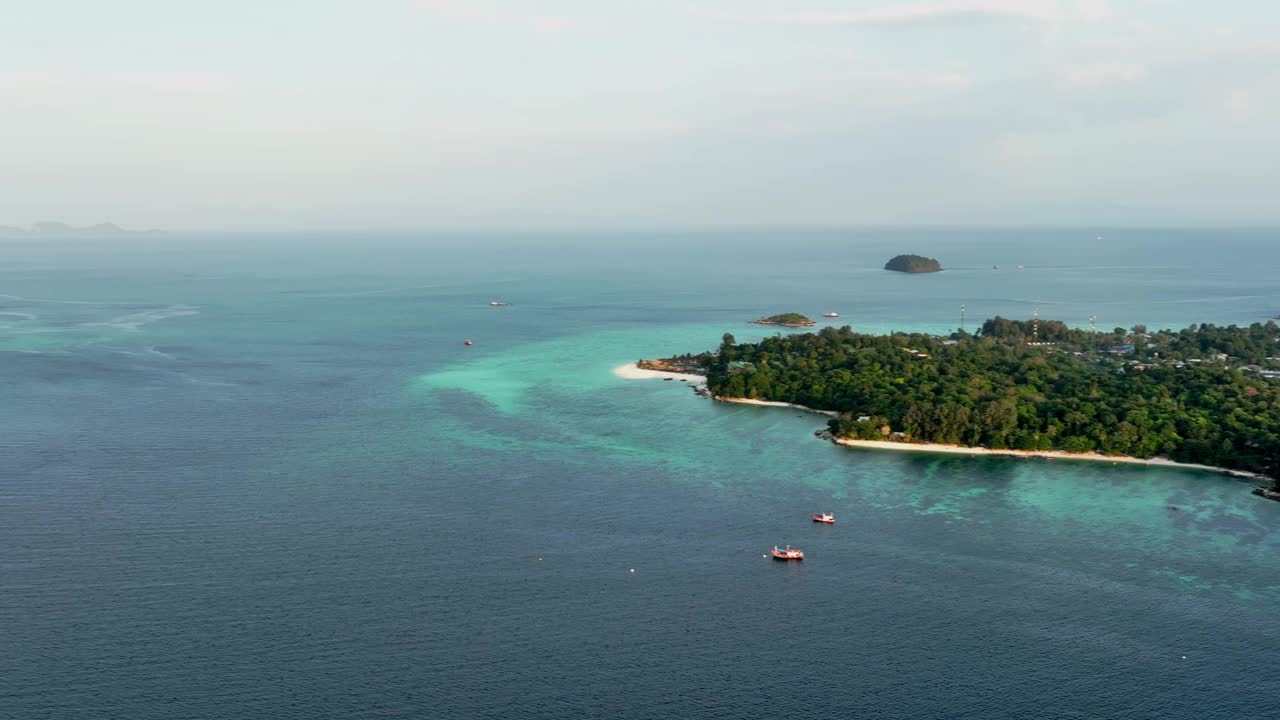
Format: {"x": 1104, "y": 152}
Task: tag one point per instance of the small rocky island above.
{"x": 913, "y": 264}
{"x": 786, "y": 320}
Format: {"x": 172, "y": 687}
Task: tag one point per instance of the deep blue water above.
{"x": 262, "y": 477}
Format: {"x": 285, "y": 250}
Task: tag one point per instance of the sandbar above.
{"x": 631, "y": 372}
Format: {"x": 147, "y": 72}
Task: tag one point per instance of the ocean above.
{"x": 252, "y": 477}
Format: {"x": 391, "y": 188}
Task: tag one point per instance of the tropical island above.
{"x": 1207, "y": 395}
{"x": 913, "y": 264}
{"x": 786, "y": 320}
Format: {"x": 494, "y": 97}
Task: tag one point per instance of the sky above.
{"x": 401, "y": 114}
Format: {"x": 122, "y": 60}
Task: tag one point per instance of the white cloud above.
{"x": 1093, "y": 9}
{"x": 93, "y": 84}
{"x": 1239, "y": 101}
{"x": 915, "y": 13}
{"x": 490, "y": 14}
{"x": 1094, "y": 76}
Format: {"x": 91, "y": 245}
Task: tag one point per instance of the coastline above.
{"x": 1042, "y": 454}
{"x": 774, "y": 403}
{"x": 631, "y": 372}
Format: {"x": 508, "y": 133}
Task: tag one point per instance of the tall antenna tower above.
{"x": 1093, "y": 323}
{"x": 1035, "y": 325}
{"x": 961, "y": 318}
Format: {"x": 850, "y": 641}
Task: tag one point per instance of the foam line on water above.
{"x": 132, "y": 322}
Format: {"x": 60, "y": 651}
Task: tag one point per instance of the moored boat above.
{"x": 831, "y": 315}
{"x": 789, "y": 553}
{"x": 827, "y": 518}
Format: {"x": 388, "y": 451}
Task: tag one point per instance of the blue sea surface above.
{"x": 263, "y": 477}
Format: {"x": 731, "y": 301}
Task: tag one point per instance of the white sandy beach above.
{"x": 1044, "y": 454}
{"x": 631, "y": 372}
{"x": 774, "y": 403}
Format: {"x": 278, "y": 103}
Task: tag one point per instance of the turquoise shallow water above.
{"x": 263, "y": 478}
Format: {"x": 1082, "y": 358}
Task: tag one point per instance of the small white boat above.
{"x": 830, "y": 315}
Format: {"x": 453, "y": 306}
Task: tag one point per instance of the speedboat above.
{"x": 827, "y": 518}
{"x": 830, "y": 314}
{"x": 498, "y": 303}
{"x": 788, "y": 554}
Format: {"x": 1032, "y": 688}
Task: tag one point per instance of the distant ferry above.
{"x": 830, "y": 314}
{"x": 788, "y": 554}
{"x": 498, "y": 303}
{"x": 827, "y": 518}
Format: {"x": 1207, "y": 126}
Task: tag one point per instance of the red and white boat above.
{"x": 789, "y": 554}
{"x": 827, "y": 518}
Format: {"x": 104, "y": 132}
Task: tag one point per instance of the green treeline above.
{"x": 1181, "y": 395}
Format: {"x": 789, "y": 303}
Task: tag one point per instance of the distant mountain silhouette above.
{"x": 60, "y": 229}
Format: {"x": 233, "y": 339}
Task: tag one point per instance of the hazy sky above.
{"x": 418, "y": 113}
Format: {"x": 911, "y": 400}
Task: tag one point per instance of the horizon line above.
{"x": 654, "y": 227}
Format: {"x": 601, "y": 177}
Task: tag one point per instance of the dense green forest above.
{"x": 913, "y": 264}
{"x": 1197, "y": 395}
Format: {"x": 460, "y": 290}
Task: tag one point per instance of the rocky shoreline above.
{"x": 684, "y": 365}
{"x": 766, "y": 321}
{"x": 1267, "y": 493}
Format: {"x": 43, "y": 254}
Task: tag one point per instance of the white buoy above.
{"x": 633, "y": 569}
{"x": 1184, "y": 657}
